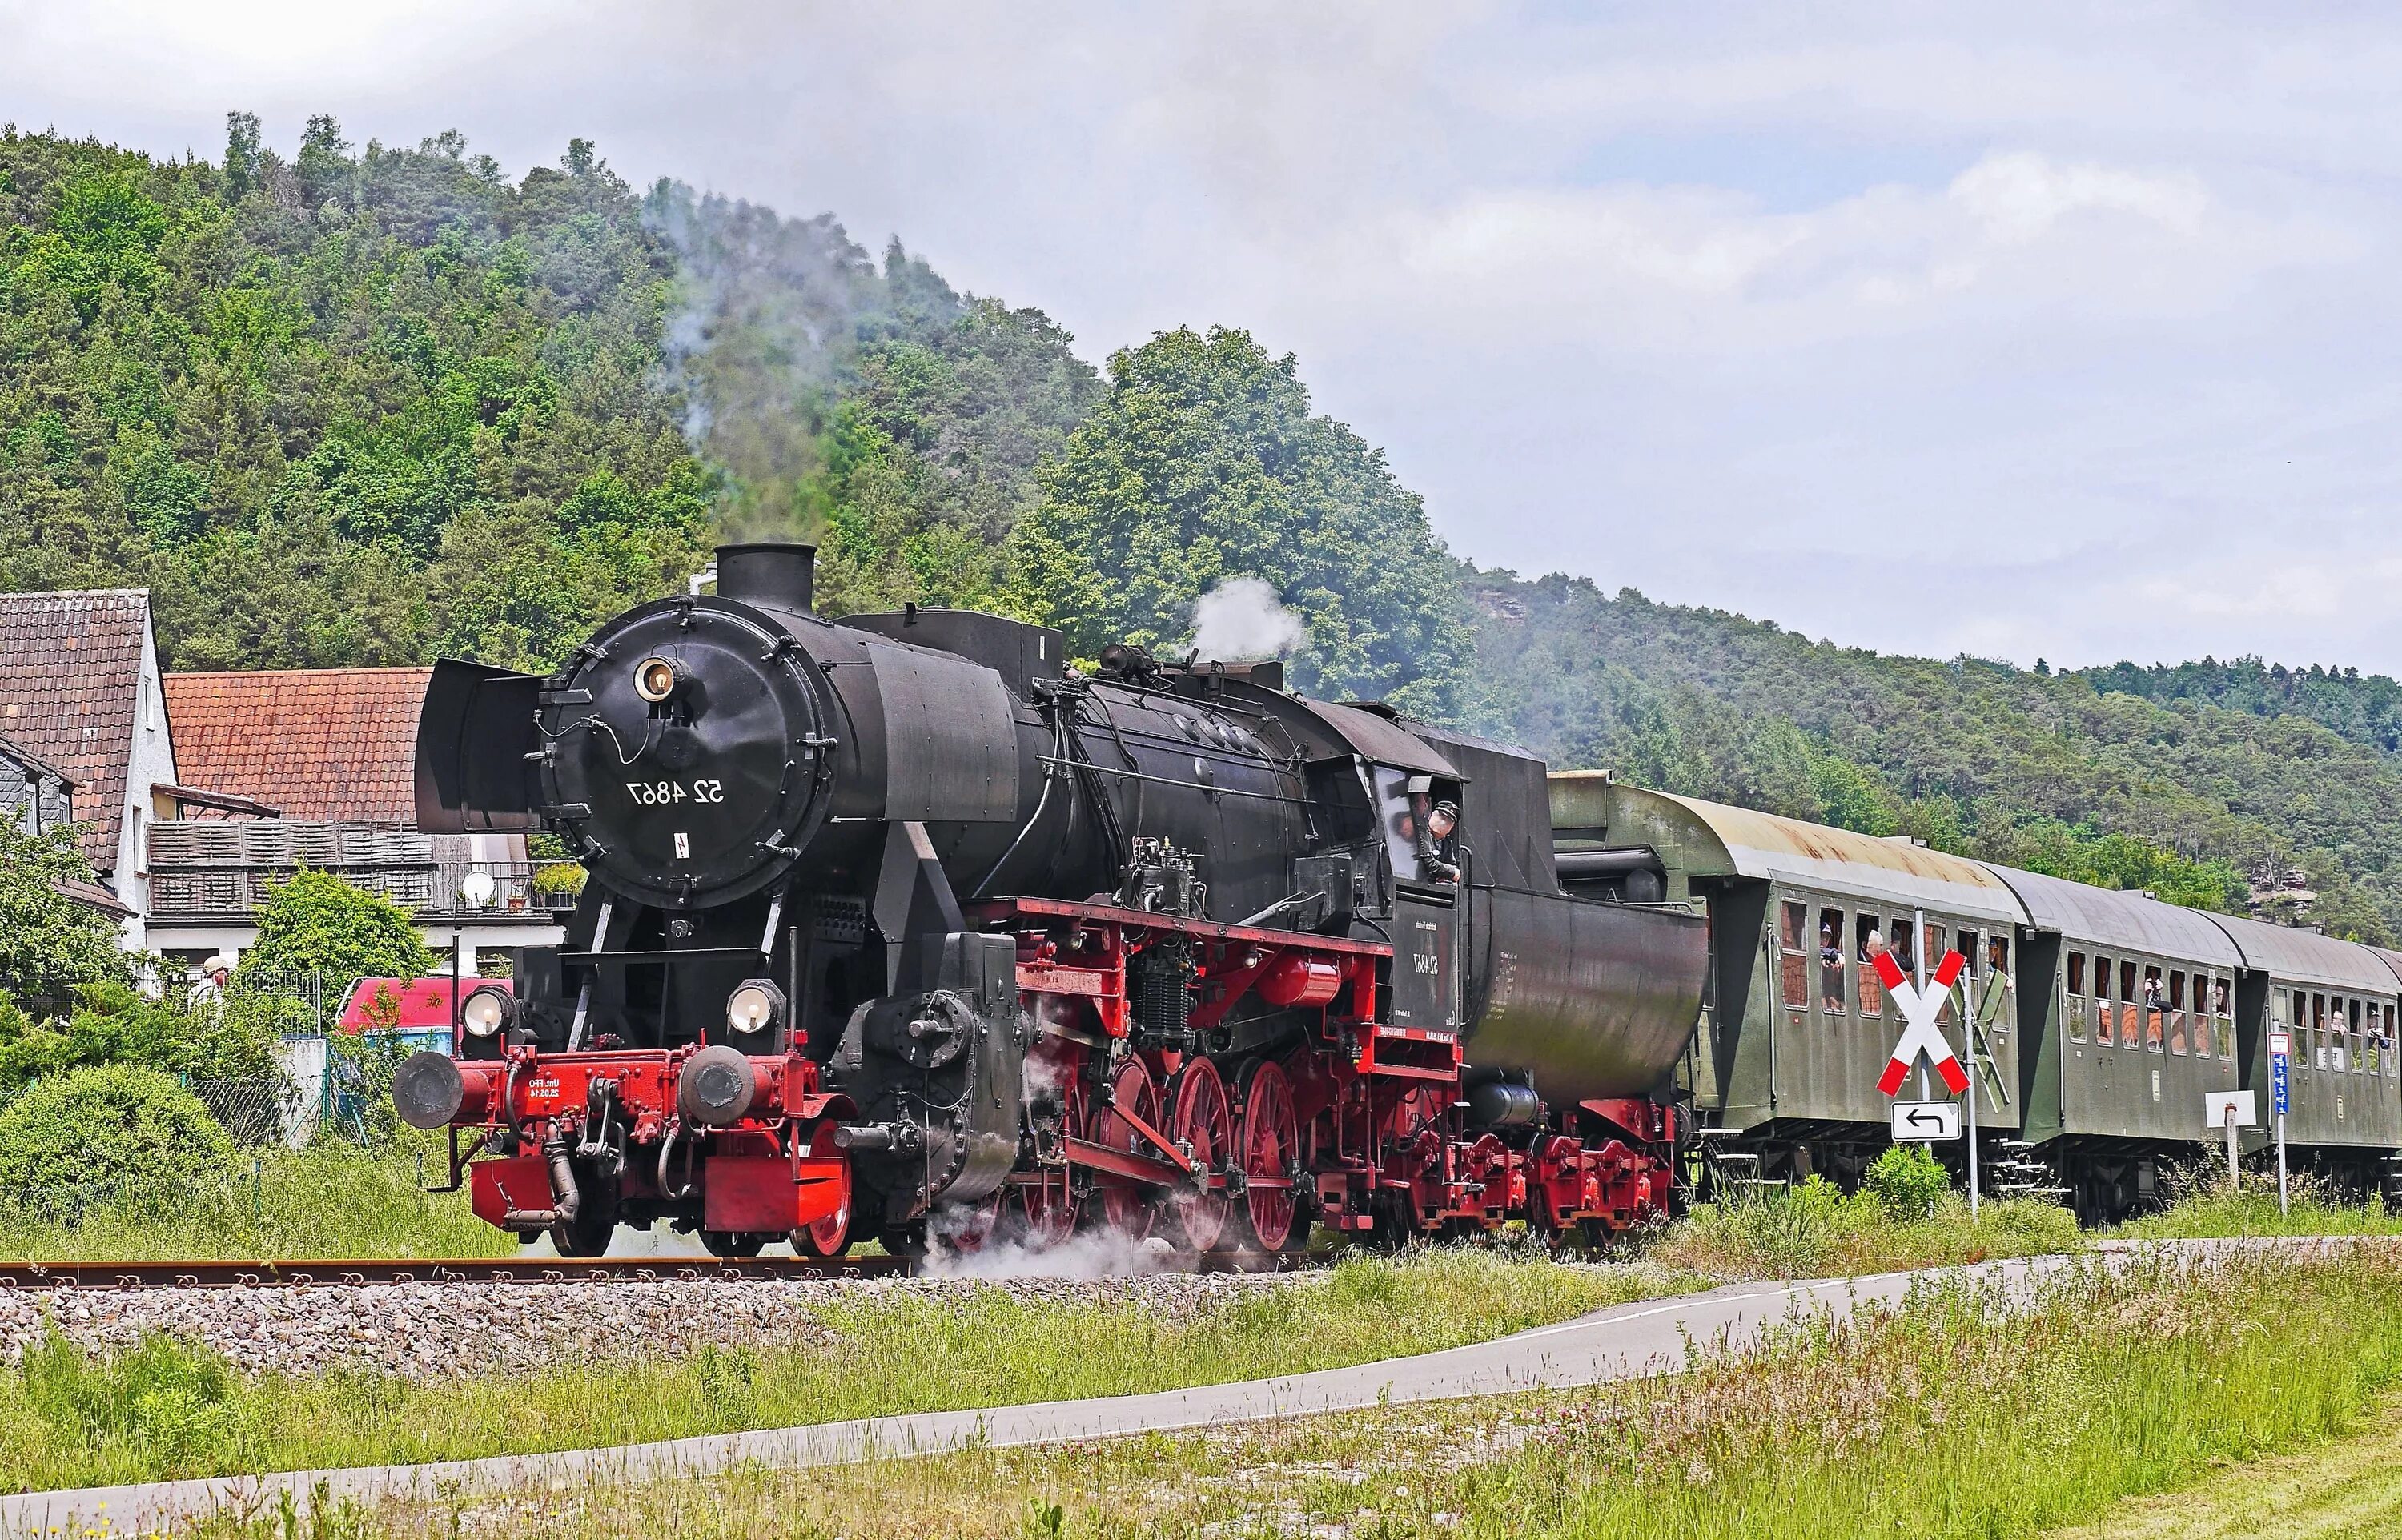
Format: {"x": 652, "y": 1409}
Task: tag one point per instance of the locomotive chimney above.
{"x": 778, "y": 573}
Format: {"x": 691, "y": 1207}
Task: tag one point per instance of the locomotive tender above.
{"x": 900, "y": 925}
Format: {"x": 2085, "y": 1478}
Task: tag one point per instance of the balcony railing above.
{"x": 226, "y": 869}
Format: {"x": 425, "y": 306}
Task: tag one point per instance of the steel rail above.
{"x": 74, "y": 1277}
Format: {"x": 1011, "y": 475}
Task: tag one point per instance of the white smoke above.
{"x": 1086, "y": 1256}
{"x": 1241, "y": 620}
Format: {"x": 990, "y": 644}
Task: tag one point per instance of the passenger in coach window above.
{"x": 1830, "y": 970}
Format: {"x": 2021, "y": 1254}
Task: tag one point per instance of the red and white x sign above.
{"x": 1919, "y": 1008}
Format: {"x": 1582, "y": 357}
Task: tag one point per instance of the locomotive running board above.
{"x": 999, "y": 911}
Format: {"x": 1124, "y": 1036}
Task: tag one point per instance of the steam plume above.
{"x": 1241, "y": 620}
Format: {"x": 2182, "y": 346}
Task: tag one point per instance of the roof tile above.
{"x": 318, "y": 743}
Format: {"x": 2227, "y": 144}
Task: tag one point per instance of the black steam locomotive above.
{"x": 901, "y": 920}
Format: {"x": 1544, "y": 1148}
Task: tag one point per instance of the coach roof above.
{"x": 2117, "y": 919}
{"x": 1886, "y": 870}
{"x": 2305, "y": 957}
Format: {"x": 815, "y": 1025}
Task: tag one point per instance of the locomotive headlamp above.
{"x": 488, "y": 1011}
{"x": 755, "y": 1006}
{"x": 656, "y": 679}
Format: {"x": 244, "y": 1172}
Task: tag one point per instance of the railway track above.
{"x": 321, "y": 1274}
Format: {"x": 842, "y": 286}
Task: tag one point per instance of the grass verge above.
{"x": 167, "y": 1410}
{"x": 1952, "y": 1417}
{"x": 1814, "y": 1231}
{"x": 2203, "y": 1205}
{"x": 332, "y": 1199}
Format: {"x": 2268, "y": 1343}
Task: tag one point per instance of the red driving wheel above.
{"x": 831, "y": 1235}
{"x": 1269, "y": 1146}
{"x": 1203, "y": 1124}
{"x": 1124, "y": 1205}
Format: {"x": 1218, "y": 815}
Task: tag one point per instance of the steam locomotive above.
{"x": 901, "y": 926}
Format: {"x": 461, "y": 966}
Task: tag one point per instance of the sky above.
{"x": 2024, "y": 331}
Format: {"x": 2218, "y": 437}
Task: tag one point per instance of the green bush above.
{"x": 111, "y": 1023}
{"x": 558, "y": 877}
{"x": 1905, "y": 1182}
{"x": 51, "y": 942}
{"x": 318, "y": 923}
{"x": 119, "y": 1127}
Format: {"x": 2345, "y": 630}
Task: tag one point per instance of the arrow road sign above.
{"x": 1919, "y": 1008}
{"x": 1925, "y": 1120}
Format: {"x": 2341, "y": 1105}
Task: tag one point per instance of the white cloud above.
{"x": 2082, "y": 309}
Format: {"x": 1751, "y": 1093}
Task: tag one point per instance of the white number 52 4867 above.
{"x": 654, "y": 794}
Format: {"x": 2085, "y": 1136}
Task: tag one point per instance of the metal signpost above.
{"x": 1921, "y": 1004}
{"x": 2280, "y": 1053}
{"x": 2231, "y": 1110}
{"x": 1969, "y": 1057}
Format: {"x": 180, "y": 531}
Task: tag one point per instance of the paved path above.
{"x": 1623, "y": 1342}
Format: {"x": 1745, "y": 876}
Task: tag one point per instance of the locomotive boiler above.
{"x": 902, "y": 925}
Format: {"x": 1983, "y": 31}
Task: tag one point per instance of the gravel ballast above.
{"x": 432, "y": 1330}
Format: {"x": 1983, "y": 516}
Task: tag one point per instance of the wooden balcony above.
{"x": 223, "y": 870}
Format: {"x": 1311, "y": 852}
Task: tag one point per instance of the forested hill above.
{"x": 2364, "y": 708}
{"x": 2037, "y": 769}
{"x": 371, "y": 404}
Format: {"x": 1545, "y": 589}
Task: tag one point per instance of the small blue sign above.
{"x": 2277, "y": 1082}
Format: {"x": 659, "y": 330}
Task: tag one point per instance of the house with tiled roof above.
{"x": 196, "y": 794}
{"x": 81, "y": 692}
{"x": 282, "y": 767}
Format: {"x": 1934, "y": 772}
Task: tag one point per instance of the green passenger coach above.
{"x": 2130, "y": 1009}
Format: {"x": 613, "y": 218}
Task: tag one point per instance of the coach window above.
{"x": 2077, "y": 997}
{"x": 2222, "y": 1010}
{"x": 1939, "y": 945}
{"x": 1867, "y": 943}
{"x": 1831, "y": 961}
{"x": 2177, "y": 1012}
{"x": 1997, "y": 980}
{"x": 2104, "y": 1031}
{"x": 2131, "y": 1021}
{"x": 1793, "y": 956}
{"x": 2205, "y": 1032}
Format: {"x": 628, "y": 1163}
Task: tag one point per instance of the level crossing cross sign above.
{"x": 1919, "y": 1008}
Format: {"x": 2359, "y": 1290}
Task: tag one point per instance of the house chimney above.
{"x": 782, "y": 573}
